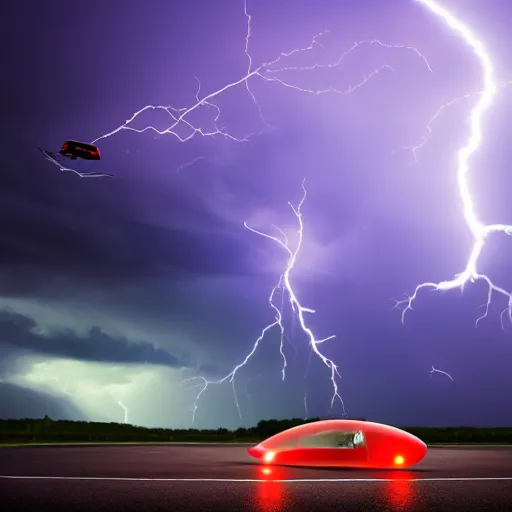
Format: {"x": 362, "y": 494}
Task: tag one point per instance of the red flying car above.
{"x": 342, "y": 443}
{"x": 74, "y": 149}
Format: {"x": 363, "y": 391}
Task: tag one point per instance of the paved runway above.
{"x": 204, "y": 477}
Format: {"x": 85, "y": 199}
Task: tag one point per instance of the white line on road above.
{"x": 235, "y": 480}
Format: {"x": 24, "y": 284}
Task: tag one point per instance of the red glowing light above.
{"x": 269, "y": 457}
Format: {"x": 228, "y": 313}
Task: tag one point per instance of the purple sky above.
{"x": 118, "y": 289}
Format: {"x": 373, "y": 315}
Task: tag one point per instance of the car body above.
{"x": 74, "y": 149}
{"x": 342, "y": 443}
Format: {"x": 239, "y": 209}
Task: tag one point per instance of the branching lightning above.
{"x": 424, "y": 139}
{"x": 267, "y": 72}
{"x": 479, "y": 231}
{"x": 284, "y": 285}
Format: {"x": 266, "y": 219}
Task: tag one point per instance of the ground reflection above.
{"x": 398, "y": 489}
{"x": 399, "y": 493}
{"x": 269, "y": 492}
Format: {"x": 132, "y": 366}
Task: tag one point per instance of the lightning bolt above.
{"x": 189, "y": 164}
{"x": 285, "y": 286}
{"x": 435, "y": 370}
{"x": 125, "y": 409}
{"x": 306, "y": 410}
{"x": 480, "y": 232}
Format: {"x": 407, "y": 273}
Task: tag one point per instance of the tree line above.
{"x": 46, "y": 430}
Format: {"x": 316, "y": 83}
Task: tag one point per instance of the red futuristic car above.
{"x": 342, "y": 443}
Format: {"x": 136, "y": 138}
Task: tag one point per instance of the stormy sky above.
{"x": 120, "y": 289}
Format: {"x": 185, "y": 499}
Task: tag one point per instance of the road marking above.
{"x": 235, "y": 480}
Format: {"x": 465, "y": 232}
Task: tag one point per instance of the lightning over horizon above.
{"x": 269, "y": 71}
{"x": 311, "y": 72}
{"x": 285, "y": 287}
{"x": 125, "y": 410}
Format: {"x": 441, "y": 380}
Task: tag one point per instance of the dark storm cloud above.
{"x": 21, "y": 332}
{"x": 96, "y": 243}
{"x": 18, "y": 402}
{"x": 12, "y": 361}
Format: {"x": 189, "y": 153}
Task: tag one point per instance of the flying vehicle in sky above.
{"x": 73, "y": 150}
{"x": 342, "y": 443}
